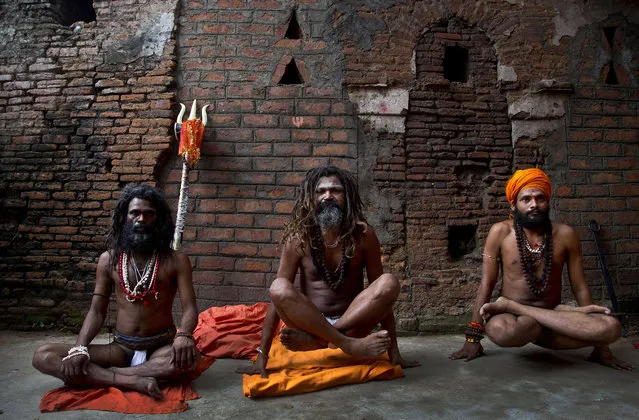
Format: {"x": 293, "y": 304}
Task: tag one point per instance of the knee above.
{"x": 42, "y": 356}
{"x": 387, "y": 286}
{"x": 613, "y": 329}
{"x": 504, "y": 332}
{"x": 497, "y": 330}
{"x": 280, "y": 290}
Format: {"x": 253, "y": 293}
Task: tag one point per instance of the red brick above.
{"x": 292, "y": 149}
{"x": 332, "y": 150}
{"x": 622, "y": 135}
{"x": 314, "y": 108}
{"x": 310, "y": 135}
{"x": 234, "y": 220}
{"x": 585, "y": 135}
{"x": 215, "y": 234}
{"x": 272, "y": 164}
{"x": 610, "y": 93}
{"x": 200, "y": 248}
{"x": 254, "y": 206}
{"x": 605, "y": 149}
{"x": 238, "y": 249}
{"x": 603, "y": 122}
{"x": 621, "y": 163}
{"x": 216, "y": 205}
{"x": 215, "y": 263}
{"x": 253, "y": 235}
{"x": 245, "y": 279}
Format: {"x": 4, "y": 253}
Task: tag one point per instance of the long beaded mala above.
{"x": 333, "y": 280}
{"x": 532, "y": 257}
{"x": 146, "y": 281}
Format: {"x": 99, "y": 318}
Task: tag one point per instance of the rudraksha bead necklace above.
{"x": 532, "y": 257}
{"x": 331, "y": 278}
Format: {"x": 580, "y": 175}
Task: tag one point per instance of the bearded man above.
{"x": 531, "y": 252}
{"x": 329, "y": 242}
{"x": 145, "y": 274}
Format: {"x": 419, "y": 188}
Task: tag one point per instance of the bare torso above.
{"x": 143, "y": 319}
{"x": 332, "y": 302}
{"x": 514, "y": 285}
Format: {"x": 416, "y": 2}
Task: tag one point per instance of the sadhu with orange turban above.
{"x": 527, "y": 178}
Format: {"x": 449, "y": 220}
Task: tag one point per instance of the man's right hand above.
{"x": 74, "y": 369}
{"x": 259, "y": 367}
{"x": 469, "y": 352}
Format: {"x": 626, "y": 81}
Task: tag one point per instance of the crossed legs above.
{"x": 109, "y": 367}
{"x": 512, "y": 324}
{"x": 308, "y": 329}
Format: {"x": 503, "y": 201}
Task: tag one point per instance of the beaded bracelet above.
{"x": 77, "y": 351}
{"x": 184, "y": 334}
{"x": 81, "y": 349}
{"x": 474, "y": 332}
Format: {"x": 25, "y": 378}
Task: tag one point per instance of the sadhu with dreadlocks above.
{"x": 145, "y": 274}
{"x": 329, "y": 242}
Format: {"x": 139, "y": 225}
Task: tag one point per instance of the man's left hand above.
{"x": 603, "y": 355}
{"x": 184, "y": 353}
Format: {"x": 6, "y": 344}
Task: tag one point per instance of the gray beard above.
{"x": 330, "y": 218}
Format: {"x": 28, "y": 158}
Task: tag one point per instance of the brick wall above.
{"x": 603, "y": 150}
{"x": 83, "y": 111}
{"x": 233, "y": 56}
{"x": 87, "y": 108}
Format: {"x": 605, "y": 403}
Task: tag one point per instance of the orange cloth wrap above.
{"x": 298, "y": 372}
{"x": 527, "y": 178}
{"x": 191, "y": 136}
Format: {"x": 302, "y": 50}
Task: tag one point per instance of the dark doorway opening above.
{"x": 456, "y": 64}
{"x": 461, "y": 240}
{"x": 68, "y": 11}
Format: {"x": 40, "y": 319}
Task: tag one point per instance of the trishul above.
{"x": 190, "y": 134}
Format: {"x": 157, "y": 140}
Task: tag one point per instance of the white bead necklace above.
{"x": 145, "y": 280}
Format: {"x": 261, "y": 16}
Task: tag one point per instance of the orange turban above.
{"x": 527, "y": 178}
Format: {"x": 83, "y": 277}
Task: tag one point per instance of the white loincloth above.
{"x": 332, "y": 319}
{"x": 139, "y": 357}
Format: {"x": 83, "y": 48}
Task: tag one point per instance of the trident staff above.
{"x": 190, "y": 134}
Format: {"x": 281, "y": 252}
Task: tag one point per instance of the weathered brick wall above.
{"x": 535, "y": 73}
{"x": 602, "y": 177}
{"x": 95, "y": 104}
{"x": 233, "y": 55}
{"x": 83, "y": 111}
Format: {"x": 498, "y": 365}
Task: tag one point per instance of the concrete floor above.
{"x": 527, "y": 383}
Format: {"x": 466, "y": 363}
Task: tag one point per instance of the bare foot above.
{"x": 493, "y": 308}
{"x": 603, "y": 356}
{"x": 298, "y": 340}
{"x": 372, "y": 345}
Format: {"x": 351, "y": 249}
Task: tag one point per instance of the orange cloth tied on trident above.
{"x": 527, "y": 178}
{"x": 191, "y": 136}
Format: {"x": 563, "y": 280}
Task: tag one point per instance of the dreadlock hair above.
{"x": 303, "y": 222}
{"x": 163, "y": 221}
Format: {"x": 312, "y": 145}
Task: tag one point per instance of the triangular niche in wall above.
{"x": 291, "y": 75}
{"x": 293, "y": 31}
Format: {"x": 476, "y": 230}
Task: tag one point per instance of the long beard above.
{"x": 329, "y": 216}
{"x": 533, "y": 222}
{"x": 132, "y": 239}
